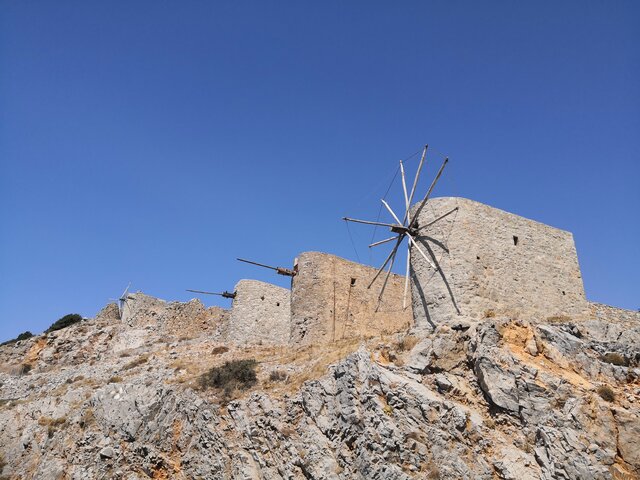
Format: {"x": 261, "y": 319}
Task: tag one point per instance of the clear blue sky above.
{"x": 154, "y": 142}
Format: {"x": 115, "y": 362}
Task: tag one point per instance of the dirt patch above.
{"x": 34, "y": 352}
{"x": 516, "y": 338}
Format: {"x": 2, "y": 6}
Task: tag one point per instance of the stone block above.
{"x": 492, "y": 262}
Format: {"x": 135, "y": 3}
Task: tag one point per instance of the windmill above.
{"x": 122, "y": 300}
{"x": 405, "y": 228}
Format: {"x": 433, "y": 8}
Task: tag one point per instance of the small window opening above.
{"x": 262, "y": 297}
{"x": 277, "y": 304}
{"x": 353, "y": 282}
{"x": 515, "y": 240}
{"x": 477, "y": 257}
{"x": 563, "y": 292}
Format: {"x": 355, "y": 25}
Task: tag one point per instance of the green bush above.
{"x": 236, "y": 374}
{"x": 64, "y": 322}
{"x": 22, "y": 336}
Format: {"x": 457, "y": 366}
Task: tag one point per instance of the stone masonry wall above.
{"x": 141, "y": 313}
{"x": 600, "y": 311}
{"x": 181, "y": 319}
{"x": 330, "y": 301}
{"x": 260, "y": 314}
{"x": 493, "y": 262}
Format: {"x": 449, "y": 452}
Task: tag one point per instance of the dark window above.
{"x": 515, "y": 240}
{"x": 277, "y": 304}
{"x": 353, "y": 282}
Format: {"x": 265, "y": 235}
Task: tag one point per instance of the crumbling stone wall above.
{"x": 181, "y": 319}
{"x": 600, "y": 311}
{"x": 330, "y": 301}
{"x": 260, "y": 314}
{"x": 493, "y": 262}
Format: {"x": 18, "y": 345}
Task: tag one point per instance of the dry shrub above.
{"x": 606, "y": 393}
{"x": 278, "y": 376}
{"x": 233, "y": 375}
{"x": 87, "y": 418}
{"x": 407, "y": 343}
{"x": 52, "y": 424}
{"x": 115, "y": 379}
{"x": 489, "y": 313}
{"x": 432, "y": 470}
{"x": 559, "y": 319}
{"x": 219, "y": 350}
{"x": 137, "y": 362}
{"x": 615, "y": 359}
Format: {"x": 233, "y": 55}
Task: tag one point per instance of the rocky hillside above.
{"x": 498, "y": 398}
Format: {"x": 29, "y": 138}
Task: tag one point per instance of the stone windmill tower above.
{"x": 467, "y": 258}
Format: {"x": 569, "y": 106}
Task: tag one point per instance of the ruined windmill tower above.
{"x": 491, "y": 262}
{"x": 466, "y": 259}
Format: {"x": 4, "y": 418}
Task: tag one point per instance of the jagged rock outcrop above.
{"x": 499, "y": 398}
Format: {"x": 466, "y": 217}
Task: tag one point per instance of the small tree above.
{"x": 64, "y": 322}
{"x": 22, "y": 336}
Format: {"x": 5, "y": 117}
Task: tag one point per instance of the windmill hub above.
{"x": 404, "y": 230}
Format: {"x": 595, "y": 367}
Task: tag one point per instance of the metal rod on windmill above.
{"x": 279, "y": 270}
{"x": 408, "y": 227}
{"x": 224, "y": 294}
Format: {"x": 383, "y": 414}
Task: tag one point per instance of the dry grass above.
{"x": 303, "y": 363}
{"x": 615, "y": 359}
{"x": 314, "y": 360}
{"x": 606, "y": 393}
{"x": 432, "y": 471}
{"x": 115, "y": 379}
{"x": 407, "y": 343}
{"x": 52, "y": 424}
{"x": 278, "y": 376}
{"x": 559, "y": 319}
{"x": 88, "y": 418}
{"x": 489, "y": 313}
{"x": 142, "y": 359}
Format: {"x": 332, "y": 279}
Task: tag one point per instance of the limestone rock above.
{"x": 105, "y": 399}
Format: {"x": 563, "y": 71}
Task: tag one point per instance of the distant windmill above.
{"x": 407, "y": 227}
{"x": 224, "y": 294}
{"x": 122, "y": 301}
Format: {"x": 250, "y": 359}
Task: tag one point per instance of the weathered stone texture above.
{"x": 183, "y": 319}
{"x": 260, "y": 314}
{"x": 330, "y": 301}
{"x": 615, "y": 315}
{"x": 493, "y": 262}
